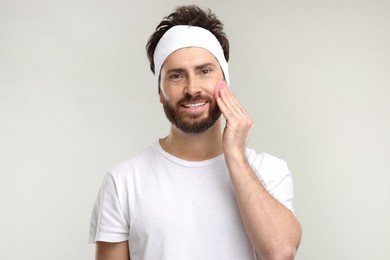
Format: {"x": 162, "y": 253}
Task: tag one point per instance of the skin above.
{"x": 112, "y": 251}
{"x": 273, "y": 230}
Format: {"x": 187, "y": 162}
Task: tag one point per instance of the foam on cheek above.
{"x": 221, "y": 84}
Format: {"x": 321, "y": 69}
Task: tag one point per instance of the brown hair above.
{"x": 188, "y": 15}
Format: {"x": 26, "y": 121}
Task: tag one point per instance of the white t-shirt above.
{"x": 169, "y": 208}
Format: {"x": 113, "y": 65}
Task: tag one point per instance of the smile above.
{"x": 194, "y": 105}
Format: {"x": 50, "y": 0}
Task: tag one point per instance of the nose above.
{"x": 193, "y": 86}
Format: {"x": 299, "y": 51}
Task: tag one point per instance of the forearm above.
{"x": 273, "y": 229}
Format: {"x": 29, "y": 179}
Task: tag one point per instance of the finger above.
{"x": 220, "y": 84}
{"x": 224, "y": 109}
{"x": 232, "y": 103}
{"x": 229, "y": 113}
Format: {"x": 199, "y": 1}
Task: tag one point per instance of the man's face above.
{"x": 188, "y": 78}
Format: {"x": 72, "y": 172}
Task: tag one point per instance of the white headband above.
{"x": 182, "y": 36}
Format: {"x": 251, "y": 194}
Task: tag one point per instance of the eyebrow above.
{"x": 197, "y": 67}
{"x": 208, "y": 64}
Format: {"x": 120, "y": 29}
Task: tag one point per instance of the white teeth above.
{"x": 195, "y": 105}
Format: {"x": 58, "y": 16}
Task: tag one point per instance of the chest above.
{"x": 181, "y": 212}
{"x": 184, "y": 200}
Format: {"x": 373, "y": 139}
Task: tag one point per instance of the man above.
{"x": 198, "y": 193}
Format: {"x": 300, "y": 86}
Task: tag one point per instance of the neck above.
{"x": 194, "y": 147}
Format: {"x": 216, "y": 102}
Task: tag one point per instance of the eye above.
{"x": 206, "y": 71}
{"x": 174, "y": 76}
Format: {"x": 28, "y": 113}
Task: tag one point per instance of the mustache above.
{"x": 190, "y": 98}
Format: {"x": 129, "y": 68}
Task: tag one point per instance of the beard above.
{"x": 192, "y": 123}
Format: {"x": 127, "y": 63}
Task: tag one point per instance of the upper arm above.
{"x": 112, "y": 251}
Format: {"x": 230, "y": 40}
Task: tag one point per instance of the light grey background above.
{"x": 77, "y": 96}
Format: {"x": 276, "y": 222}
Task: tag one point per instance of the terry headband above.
{"x": 182, "y": 36}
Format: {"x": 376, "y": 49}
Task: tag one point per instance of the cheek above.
{"x": 163, "y": 93}
{"x": 166, "y": 97}
{"x": 163, "y": 98}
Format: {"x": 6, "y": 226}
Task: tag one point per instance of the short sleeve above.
{"x": 275, "y": 176}
{"x": 108, "y": 222}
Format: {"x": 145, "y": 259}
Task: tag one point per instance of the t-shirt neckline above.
{"x": 183, "y": 162}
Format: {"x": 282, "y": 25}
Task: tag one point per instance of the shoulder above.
{"x": 268, "y": 167}
{"x": 134, "y": 163}
{"x": 264, "y": 160}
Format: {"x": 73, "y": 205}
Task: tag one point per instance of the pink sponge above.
{"x": 218, "y": 87}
